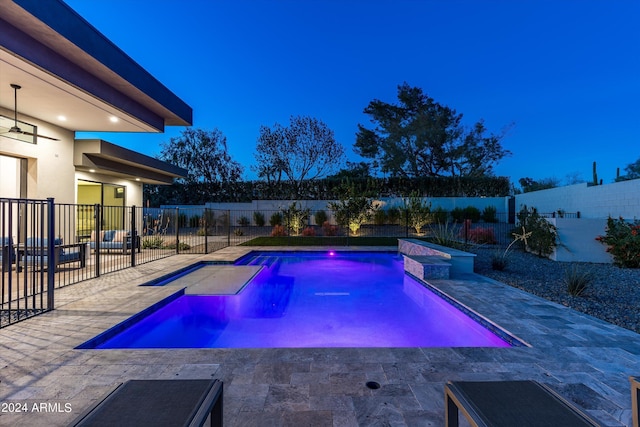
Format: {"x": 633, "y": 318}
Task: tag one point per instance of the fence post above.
{"x": 228, "y": 227}
{"x": 134, "y": 236}
{"x": 206, "y": 231}
{"x": 97, "y": 215}
{"x": 51, "y": 262}
{"x": 177, "y": 230}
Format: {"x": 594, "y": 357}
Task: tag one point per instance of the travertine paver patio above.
{"x": 586, "y": 360}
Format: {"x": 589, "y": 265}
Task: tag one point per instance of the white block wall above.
{"x": 599, "y": 201}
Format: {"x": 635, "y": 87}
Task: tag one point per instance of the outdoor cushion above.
{"x": 119, "y": 236}
{"x": 108, "y": 235}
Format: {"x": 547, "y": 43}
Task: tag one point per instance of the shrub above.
{"x": 328, "y": 229}
{"x": 276, "y": 219}
{"x": 238, "y": 232}
{"x": 278, "y": 231}
{"x": 258, "y": 218}
{"x": 440, "y": 216}
{"x": 152, "y": 242}
{"x": 320, "y": 217}
{"x": 623, "y": 242}
{"x": 489, "y": 214}
{"x": 182, "y": 246}
{"x": 481, "y": 235}
{"x": 393, "y": 215}
{"x": 576, "y": 280}
{"x": 182, "y": 220}
{"x": 472, "y": 213}
{"x": 353, "y": 209}
{"x": 543, "y": 234}
{"x": 243, "y": 221}
{"x": 380, "y": 217}
{"x": 309, "y": 231}
{"x": 194, "y": 221}
{"x": 499, "y": 261}
{"x": 445, "y": 235}
{"x": 457, "y": 215}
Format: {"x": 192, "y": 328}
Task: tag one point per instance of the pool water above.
{"x": 299, "y": 299}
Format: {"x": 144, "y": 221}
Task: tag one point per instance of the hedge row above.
{"x": 326, "y": 189}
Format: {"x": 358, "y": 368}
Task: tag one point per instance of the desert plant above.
{"x": 542, "y": 240}
{"x": 499, "y": 260}
{"x": 278, "y": 231}
{"x": 320, "y": 217}
{"x": 258, "y": 218}
{"x": 489, "y": 214}
{"x": 182, "y": 246}
{"x": 576, "y": 280}
{"x": 623, "y": 242}
{"x": 309, "y": 232}
{"x": 328, "y": 229}
{"x": 276, "y": 219}
{"x": 238, "y": 232}
{"x": 481, "y": 235}
{"x": 444, "y": 234}
{"x": 152, "y": 242}
{"x": 243, "y": 221}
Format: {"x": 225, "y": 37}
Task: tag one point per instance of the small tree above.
{"x": 417, "y": 212}
{"x": 352, "y": 210}
{"x": 295, "y": 217}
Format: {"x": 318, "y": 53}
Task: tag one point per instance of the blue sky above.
{"x": 566, "y": 73}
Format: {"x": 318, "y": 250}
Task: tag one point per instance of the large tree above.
{"x": 304, "y": 150}
{"x": 204, "y": 155}
{"x": 420, "y": 137}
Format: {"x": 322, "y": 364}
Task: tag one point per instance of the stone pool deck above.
{"x": 586, "y": 360}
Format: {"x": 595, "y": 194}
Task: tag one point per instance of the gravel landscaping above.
{"x": 612, "y": 294}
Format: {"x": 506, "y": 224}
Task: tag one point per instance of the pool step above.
{"x": 427, "y": 266}
{"x": 266, "y": 261}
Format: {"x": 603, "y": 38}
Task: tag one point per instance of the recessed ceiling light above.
{"x": 113, "y": 119}
{"x": 92, "y": 170}
{"x": 62, "y": 118}
{"x": 137, "y": 179}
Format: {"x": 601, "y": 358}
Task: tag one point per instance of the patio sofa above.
{"x": 8, "y": 253}
{"x": 119, "y": 240}
{"x": 34, "y": 253}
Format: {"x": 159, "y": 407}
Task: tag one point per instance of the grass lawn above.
{"x": 321, "y": 241}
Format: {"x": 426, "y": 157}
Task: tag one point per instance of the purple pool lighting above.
{"x": 299, "y": 299}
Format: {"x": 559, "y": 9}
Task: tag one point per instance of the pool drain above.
{"x": 373, "y": 385}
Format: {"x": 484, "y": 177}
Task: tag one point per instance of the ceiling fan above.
{"x": 15, "y": 128}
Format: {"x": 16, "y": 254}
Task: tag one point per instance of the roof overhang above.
{"x": 68, "y": 68}
{"x": 99, "y": 156}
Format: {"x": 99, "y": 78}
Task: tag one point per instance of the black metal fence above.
{"x": 26, "y": 287}
{"x": 47, "y": 245}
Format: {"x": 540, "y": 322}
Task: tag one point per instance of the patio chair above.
{"x": 157, "y": 403}
{"x": 8, "y": 253}
{"x": 510, "y": 403}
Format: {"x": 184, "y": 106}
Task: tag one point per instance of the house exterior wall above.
{"x": 50, "y": 165}
{"x": 50, "y": 169}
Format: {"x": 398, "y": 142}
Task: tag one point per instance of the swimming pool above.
{"x": 310, "y": 299}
